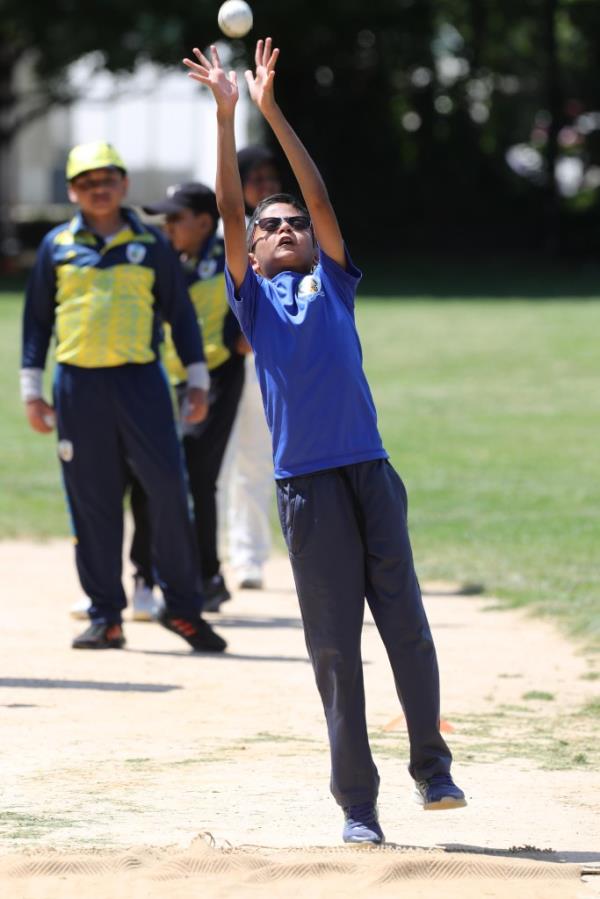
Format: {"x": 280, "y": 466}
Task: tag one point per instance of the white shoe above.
{"x": 145, "y": 605}
{"x": 80, "y": 608}
{"x": 250, "y": 578}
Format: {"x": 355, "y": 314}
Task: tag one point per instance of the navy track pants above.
{"x": 204, "y": 446}
{"x": 110, "y": 420}
{"x": 347, "y": 536}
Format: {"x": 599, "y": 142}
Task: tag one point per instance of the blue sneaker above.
{"x": 439, "y": 792}
{"x": 361, "y": 824}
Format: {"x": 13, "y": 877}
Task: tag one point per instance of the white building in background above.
{"x": 162, "y": 123}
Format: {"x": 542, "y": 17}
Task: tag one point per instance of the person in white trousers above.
{"x": 247, "y": 476}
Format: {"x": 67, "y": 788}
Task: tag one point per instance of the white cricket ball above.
{"x": 235, "y": 18}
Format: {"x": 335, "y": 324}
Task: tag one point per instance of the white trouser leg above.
{"x": 246, "y": 483}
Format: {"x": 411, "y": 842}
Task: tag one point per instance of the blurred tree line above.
{"x": 439, "y": 124}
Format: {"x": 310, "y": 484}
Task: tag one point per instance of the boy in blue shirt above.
{"x": 341, "y": 504}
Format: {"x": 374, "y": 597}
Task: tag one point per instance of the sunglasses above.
{"x": 273, "y": 222}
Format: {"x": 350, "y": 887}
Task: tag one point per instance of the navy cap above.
{"x": 192, "y": 195}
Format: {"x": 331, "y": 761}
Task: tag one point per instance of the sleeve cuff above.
{"x": 198, "y": 376}
{"x": 31, "y": 384}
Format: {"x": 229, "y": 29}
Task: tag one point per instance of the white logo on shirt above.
{"x": 135, "y": 253}
{"x": 207, "y": 268}
{"x": 308, "y": 286}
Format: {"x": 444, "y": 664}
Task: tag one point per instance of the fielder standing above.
{"x": 101, "y": 284}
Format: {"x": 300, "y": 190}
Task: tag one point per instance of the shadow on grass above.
{"x": 439, "y": 278}
{"x": 252, "y": 621}
{"x": 436, "y": 276}
{"x": 40, "y": 683}
{"x": 218, "y": 656}
{"x": 561, "y": 856}
{"x": 530, "y": 853}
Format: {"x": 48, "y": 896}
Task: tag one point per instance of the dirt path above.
{"x": 145, "y": 749}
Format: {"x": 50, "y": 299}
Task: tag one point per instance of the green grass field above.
{"x": 489, "y": 404}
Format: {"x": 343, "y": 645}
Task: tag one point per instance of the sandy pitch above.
{"x": 116, "y": 763}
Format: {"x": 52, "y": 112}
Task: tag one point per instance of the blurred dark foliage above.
{"x": 408, "y": 106}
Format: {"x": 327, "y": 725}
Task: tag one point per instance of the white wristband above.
{"x": 31, "y": 384}
{"x": 198, "y": 376}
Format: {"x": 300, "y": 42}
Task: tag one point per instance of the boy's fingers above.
{"x": 258, "y": 53}
{"x": 233, "y": 78}
{"x": 273, "y": 59}
{"x": 203, "y": 79}
{"x": 200, "y": 55}
{"x": 199, "y": 70}
{"x": 215, "y": 56}
{"x": 267, "y": 51}
{"x": 40, "y": 416}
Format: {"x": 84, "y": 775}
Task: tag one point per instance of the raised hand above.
{"x": 260, "y": 84}
{"x": 211, "y": 73}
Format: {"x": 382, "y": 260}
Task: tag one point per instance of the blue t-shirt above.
{"x": 309, "y": 364}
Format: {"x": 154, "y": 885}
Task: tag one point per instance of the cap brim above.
{"x": 164, "y": 208}
{"x": 95, "y": 168}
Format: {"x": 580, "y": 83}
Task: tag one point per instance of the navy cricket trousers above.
{"x": 109, "y": 421}
{"x": 347, "y": 536}
{"x": 204, "y": 446}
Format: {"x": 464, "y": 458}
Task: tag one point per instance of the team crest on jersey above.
{"x": 309, "y": 286}
{"x": 207, "y": 268}
{"x": 65, "y": 450}
{"x": 135, "y": 253}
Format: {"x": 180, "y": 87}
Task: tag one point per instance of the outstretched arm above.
{"x": 312, "y": 186}
{"x": 230, "y": 199}
{"x": 38, "y": 323}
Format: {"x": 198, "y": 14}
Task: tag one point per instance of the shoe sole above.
{"x": 198, "y": 649}
{"x": 97, "y": 646}
{"x": 214, "y": 605}
{"x": 79, "y": 616}
{"x": 446, "y": 802}
{"x": 363, "y": 844}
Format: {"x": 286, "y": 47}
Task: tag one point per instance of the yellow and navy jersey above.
{"x": 105, "y": 301}
{"x": 205, "y": 277}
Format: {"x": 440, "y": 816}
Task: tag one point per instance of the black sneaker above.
{"x": 100, "y": 636}
{"x": 215, "y": 593}
{"x": 439, "y": 792}
{"x": 197, "y": 632}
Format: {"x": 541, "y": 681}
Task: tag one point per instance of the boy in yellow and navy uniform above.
{"x": 191, "y": 224}
{"x": 101, "y": 285}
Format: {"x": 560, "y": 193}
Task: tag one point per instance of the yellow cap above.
{"x": 97, "y": 155}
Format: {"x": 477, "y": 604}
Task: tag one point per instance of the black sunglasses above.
{"x": 273, "y": 222}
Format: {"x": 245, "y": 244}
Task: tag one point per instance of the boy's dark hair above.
{"x": 251, "y": 158}
{"x": 290, "y": 199}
